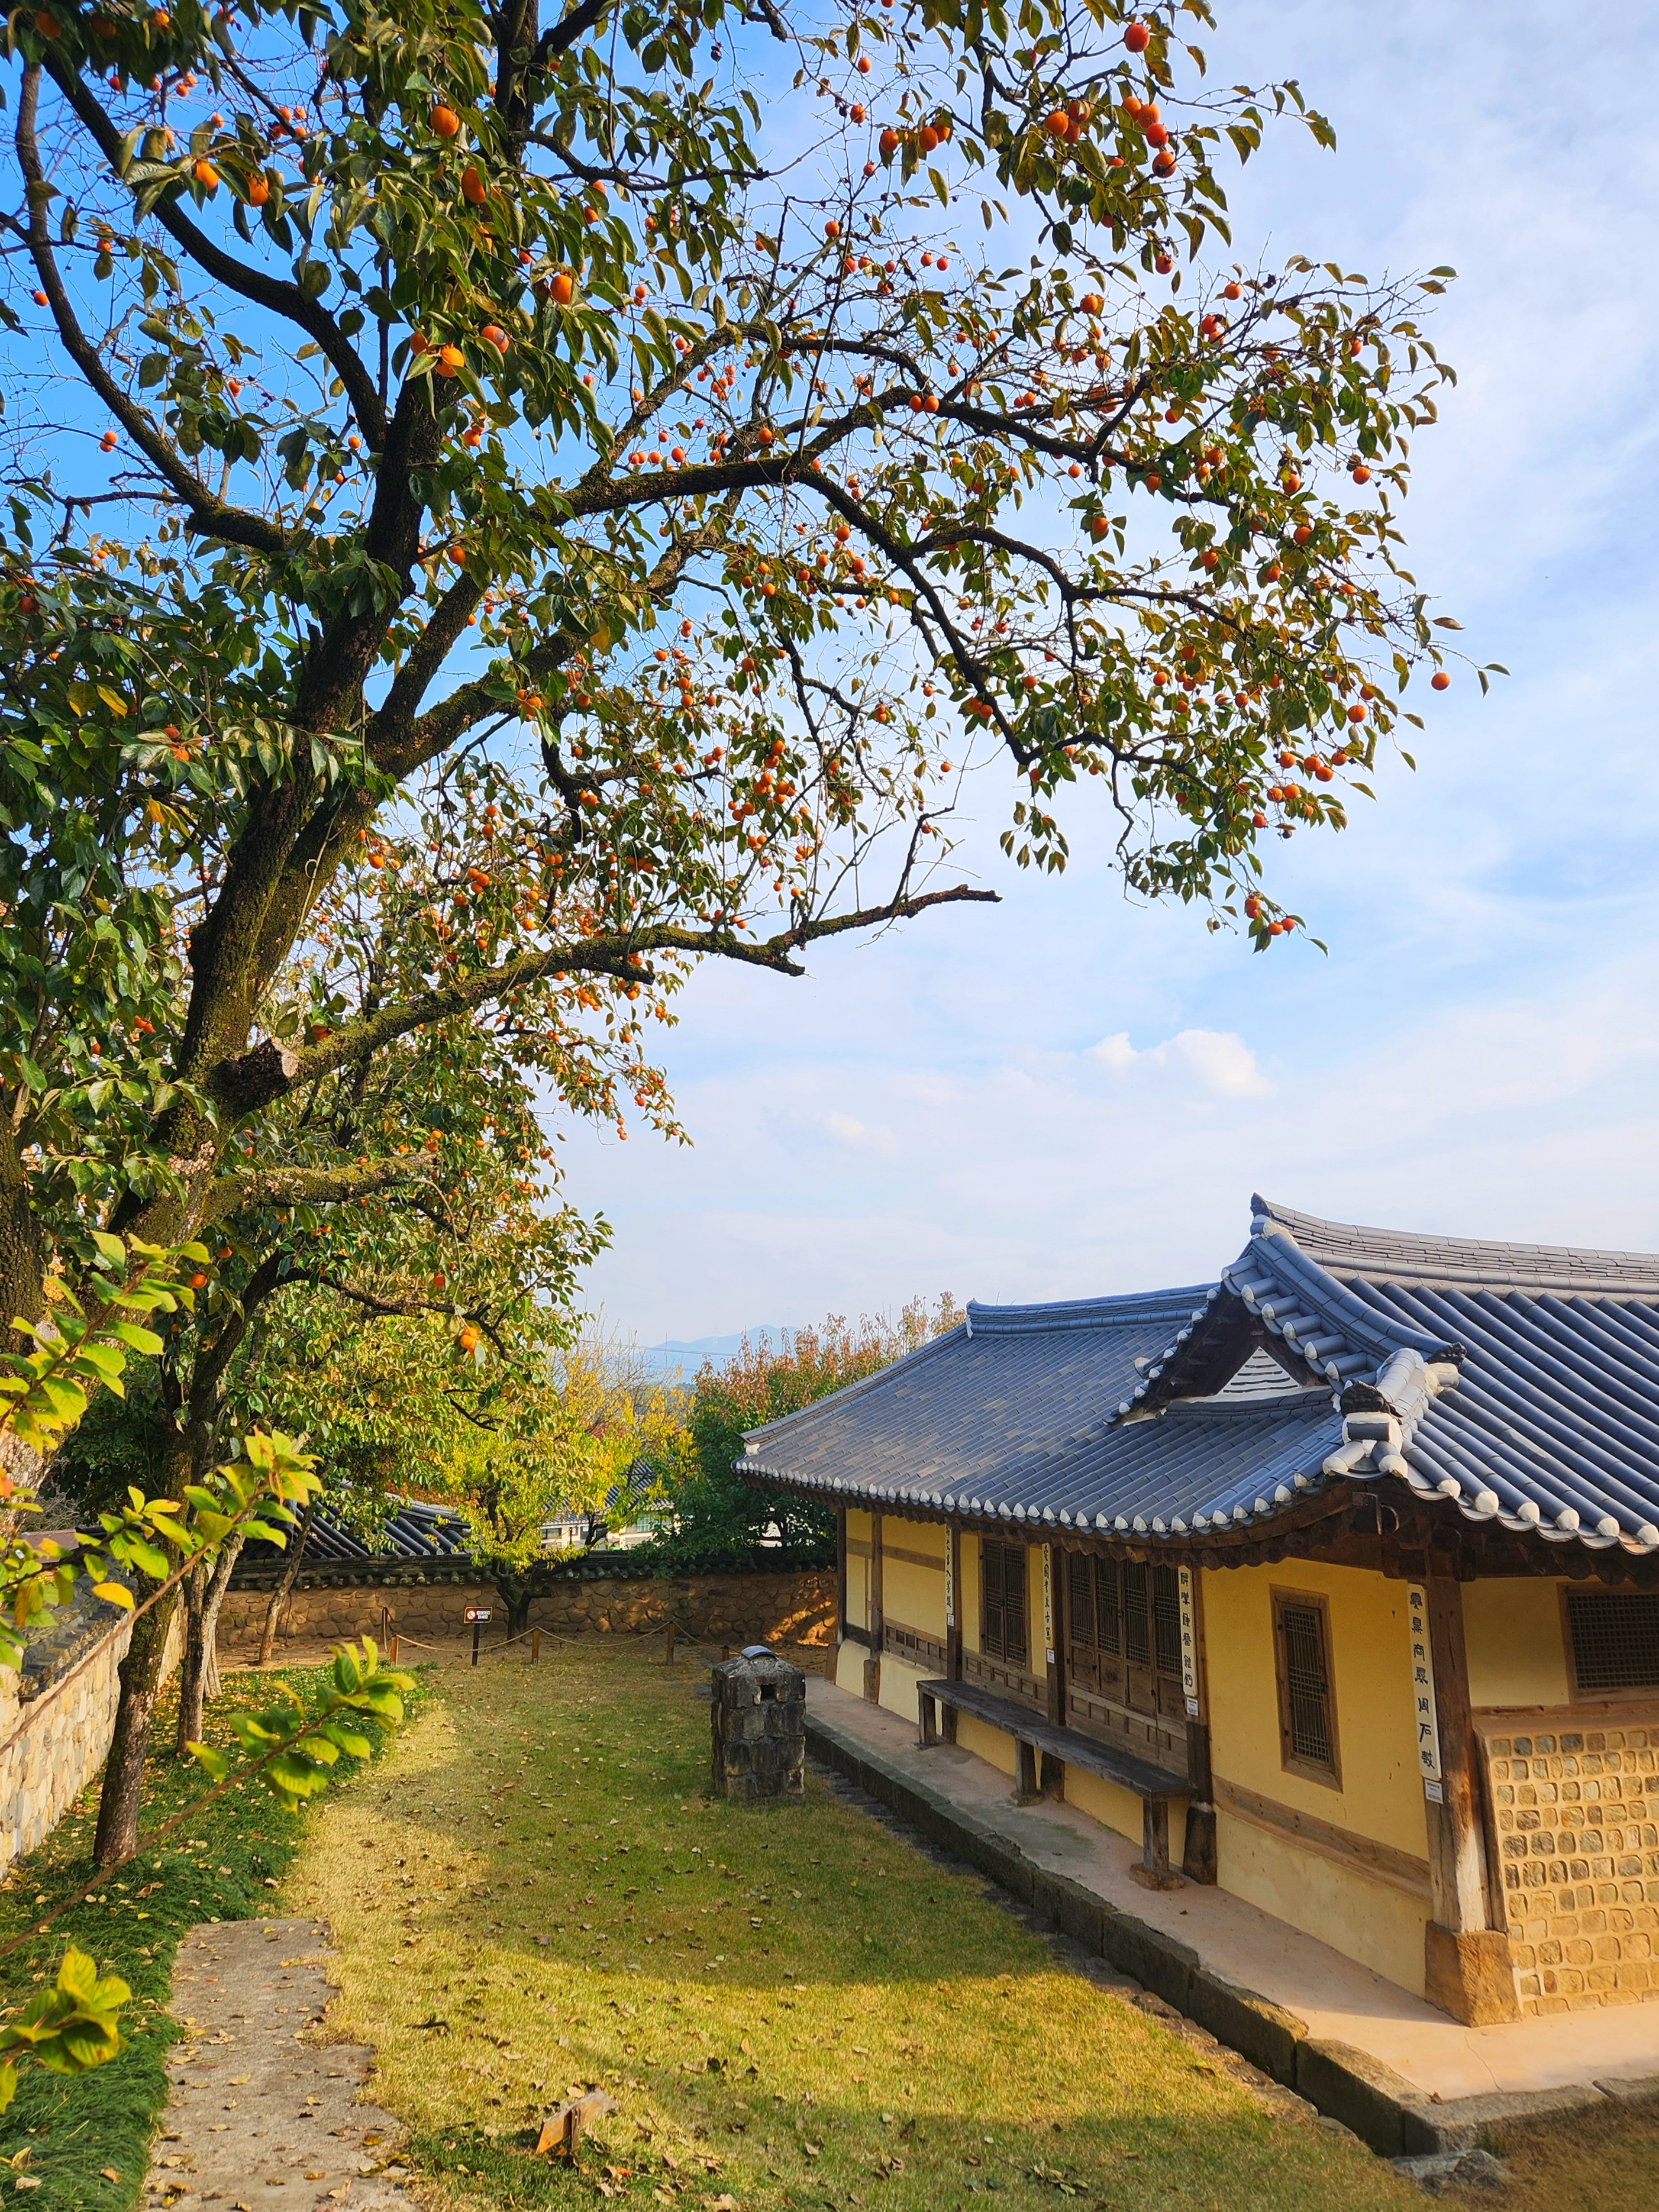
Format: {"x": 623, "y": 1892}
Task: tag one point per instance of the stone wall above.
{"x": 57, "y": 1717}
{"x": 747, "y": 1609}
{"x": 1576, "y": 1812}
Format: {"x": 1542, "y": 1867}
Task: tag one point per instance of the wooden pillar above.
{"x": 1055, "y": 1678}
{"x": 953, "y": 1603}
{"x": 838, "y": 1632}
{"x": 872, "y": 1664}
{"x": 1198, "y": 1856}
{"x": 1468, "y": 1971}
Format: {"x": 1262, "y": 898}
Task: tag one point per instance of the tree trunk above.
{"x": 118, "y": 1802}
{"x": 198, "y": 1671}
{"x": 280, "y": 1595}
{"x": 117, "y": 1838}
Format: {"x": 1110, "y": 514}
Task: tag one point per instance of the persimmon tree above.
{"x": 732, "y": 423}
{"x": 369, "y": 1312}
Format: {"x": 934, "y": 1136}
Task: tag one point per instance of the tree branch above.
{"x": 274, "y": 293}
{"x": 209, "y": 514}
{"x": 303, "y": 1186}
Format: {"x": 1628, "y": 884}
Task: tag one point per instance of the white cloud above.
{"x": 1215, "y": 1061}
{"x": 858, "y": 1134}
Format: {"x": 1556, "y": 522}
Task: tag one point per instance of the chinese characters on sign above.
{"x": 1188, "y": 1643}
{"x": 1427, "y": 1722}
{"x": 949, "y": 1579}
{"x": 1048, "y": 1601}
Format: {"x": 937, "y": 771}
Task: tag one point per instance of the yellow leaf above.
{"x": 113, "y": 699}
{"x": 114, "y": 1594}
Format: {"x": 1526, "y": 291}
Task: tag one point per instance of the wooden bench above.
{"x": 1157, "y": 1788}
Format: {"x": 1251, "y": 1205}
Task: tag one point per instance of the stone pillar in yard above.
{"x": 757, "y": 1720}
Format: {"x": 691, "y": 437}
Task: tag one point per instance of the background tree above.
{"x": 534, "y": 1447}
{"x": 480, "y": 387}
{"x": 716, "y": 1521}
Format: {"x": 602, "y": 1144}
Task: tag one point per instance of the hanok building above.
{"x": 1335, "y": 1582}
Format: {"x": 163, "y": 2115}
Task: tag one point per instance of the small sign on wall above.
{"x": 1048, "y": 1601}
{"x": 949, "y": 1578}
{"x": 1188, "y": 1642}
{"x": 1426, "y": 1719}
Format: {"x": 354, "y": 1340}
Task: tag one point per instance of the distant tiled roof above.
{"x": 415, "y": 1531}
{"x": 1519, "y": 1382}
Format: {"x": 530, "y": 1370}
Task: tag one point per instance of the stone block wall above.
{"x": 57, "y": 1719}
{"x": 1576, "y": 1807}
{"x": 748, "y": 1608}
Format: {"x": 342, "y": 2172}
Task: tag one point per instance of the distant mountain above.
{"x": 675, "y": 1361}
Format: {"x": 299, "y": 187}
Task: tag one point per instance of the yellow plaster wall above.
{"x": 924, "y": 1536}
{"x": 1120, "y": 1810}
{"x": 858, "y": 1570}
{"x": 1381, "y": 1797}
{"x": 1371, "y": 1922}
{"x": 898, "y": 1686}
{"x": 967, "y": 1593}
{"x": 849, "y": 1669}
{"x": 1513, "y": 1632}
{"x": 989, "y": 1744}
{"x": 914, "y": 1596}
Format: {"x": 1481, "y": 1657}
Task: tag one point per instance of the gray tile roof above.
{"x": 1519, "y": 1382}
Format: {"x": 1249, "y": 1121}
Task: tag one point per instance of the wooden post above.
{"x": 668, "y": 1659}
{"x": 1198, "y": 1855}
{"x": 839, "y": 1636}
{"x": 1468, "y": 1971}
{"x": 535, "y": 1645}
{"x": 393, "y": 1642}
{"x": 872, "y": 1664}
{"x": 953, "y": 1603}
{"x": 1055, "y": 1675}
{"x": 385, "y": 1626}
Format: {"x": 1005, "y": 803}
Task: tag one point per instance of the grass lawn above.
{"x": 85, "y": 2141}
{"x": 791, "y": 2007}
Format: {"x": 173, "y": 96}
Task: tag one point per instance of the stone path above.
{"x": 259, "y": 2115}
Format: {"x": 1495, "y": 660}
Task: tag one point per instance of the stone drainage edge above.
{"x": 1386, "y": 2111}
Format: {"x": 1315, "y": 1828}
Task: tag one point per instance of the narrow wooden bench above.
{"x": 1155, "y": 1786}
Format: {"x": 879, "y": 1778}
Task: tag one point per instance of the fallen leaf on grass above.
{"x": 108, "y": 2173}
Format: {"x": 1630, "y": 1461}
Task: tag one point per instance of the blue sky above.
{"x": 1066, "y": 1094}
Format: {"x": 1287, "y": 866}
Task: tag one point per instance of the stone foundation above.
{"x": 763, "y": 1608}
{"x": 1577, "y": 1811}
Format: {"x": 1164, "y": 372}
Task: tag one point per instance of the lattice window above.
{"x": 1080, "y": 1595}
{"x": 1614, "y": 1636}
{"x": 1307, "y": 1701}
{"x": 1108, "y": 1607}
{"x": 1002, "y": 1633}
{"x": 1137, "y": 1624}
{"x": 1166, "y": 1619}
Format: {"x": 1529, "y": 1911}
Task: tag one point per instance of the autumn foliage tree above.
{"x": 713, "y": 1519}
{"x": 731, "y": 422}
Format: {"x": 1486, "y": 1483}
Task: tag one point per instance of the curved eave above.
{"x": 1423, "y": 1478}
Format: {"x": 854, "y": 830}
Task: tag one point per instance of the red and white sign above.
{"x": 475, "y": 1613}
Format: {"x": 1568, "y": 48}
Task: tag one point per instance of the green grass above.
{"x": 792, "y": 2008}
{"x": 1600, "y": 2162}
{"x": 70, "y": 2134}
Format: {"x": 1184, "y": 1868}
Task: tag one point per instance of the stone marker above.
{"x": 757, "y": 1720}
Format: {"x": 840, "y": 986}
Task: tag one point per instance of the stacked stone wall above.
{"x": 1576, "y": 1809}
{"x": 746, "y": 1608}
{"x": 57, "y": 1719}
